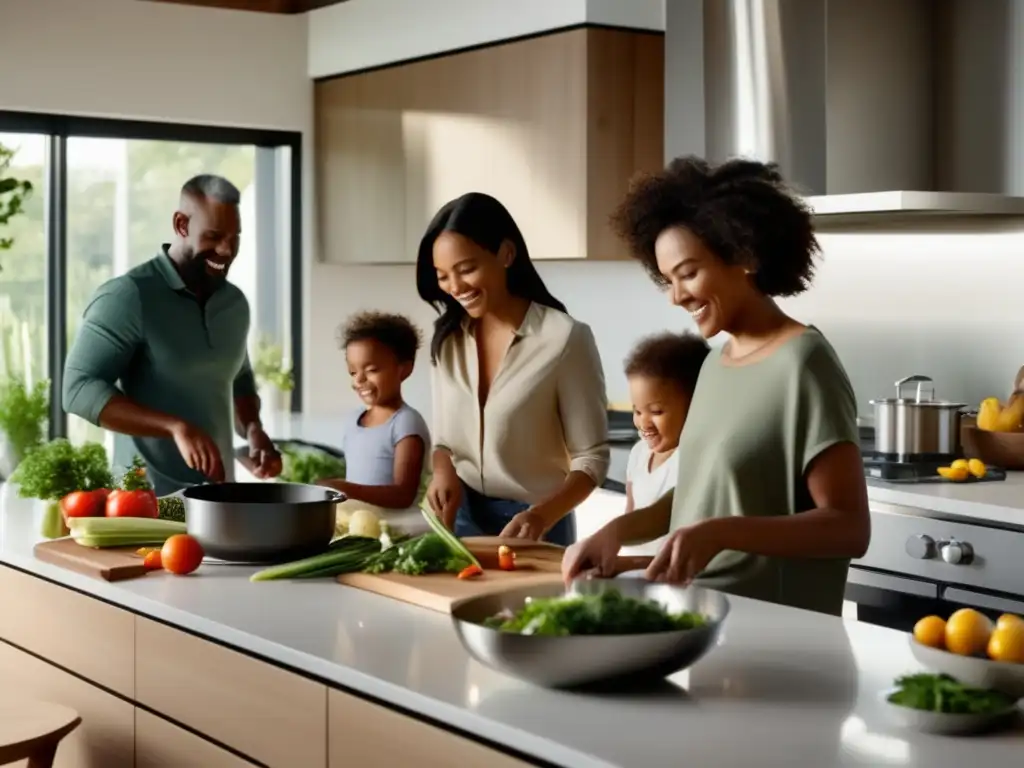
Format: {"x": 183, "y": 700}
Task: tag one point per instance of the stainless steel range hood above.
{"x": 872, "y": 108}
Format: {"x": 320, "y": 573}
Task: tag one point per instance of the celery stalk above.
{"x": 122, "y": 531}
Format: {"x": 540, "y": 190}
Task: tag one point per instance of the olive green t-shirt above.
{"x": 750, "y": 435}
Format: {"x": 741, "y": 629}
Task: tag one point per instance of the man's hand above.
{"x": 198, "y": 450}
{"x": 265, "y": 457}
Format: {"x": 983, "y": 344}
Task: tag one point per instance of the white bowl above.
{"x": 972, "y": 670}
{"x": 945, "y": 723}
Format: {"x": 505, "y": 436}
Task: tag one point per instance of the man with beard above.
{"x": 160, "y": 356}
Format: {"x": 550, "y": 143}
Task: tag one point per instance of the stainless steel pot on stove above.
{"x": 261, "y": 522}
{"x": 911, "y": 429}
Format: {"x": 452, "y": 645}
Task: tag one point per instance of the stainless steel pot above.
{"x": 261, "y": 522}
{"x": 918, "y": 428}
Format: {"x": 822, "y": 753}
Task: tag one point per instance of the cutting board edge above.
{"x": 52, "y": 556}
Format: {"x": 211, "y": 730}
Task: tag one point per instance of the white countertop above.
{"x": 998, "y": 501}
{"x": 785, "y": 687}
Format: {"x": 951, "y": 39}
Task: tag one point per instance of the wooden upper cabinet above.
{"x": 553, "y": 126}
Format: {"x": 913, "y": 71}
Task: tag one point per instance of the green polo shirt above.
{"x": 144, "y": 334}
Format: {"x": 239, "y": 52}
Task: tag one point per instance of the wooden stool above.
{"x": 32, "y": 730}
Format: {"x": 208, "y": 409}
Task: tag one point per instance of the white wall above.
{"x": 942, "y": 301}
{"x": 366, "y": 33}
{"x": 163, "y": 62}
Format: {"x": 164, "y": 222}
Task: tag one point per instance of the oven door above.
{"x": 897, "y": 602}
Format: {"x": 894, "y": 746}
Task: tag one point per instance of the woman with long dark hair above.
{"x": 520, "y": 425}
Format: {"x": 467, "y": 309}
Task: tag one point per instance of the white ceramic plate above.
{"x": 946, "y": 724}
{"x": 971, "y": 670}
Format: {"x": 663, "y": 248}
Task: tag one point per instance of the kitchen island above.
{"x": 213, "y": 670}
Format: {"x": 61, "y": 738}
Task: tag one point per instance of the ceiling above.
{"x": 259, "y": 6}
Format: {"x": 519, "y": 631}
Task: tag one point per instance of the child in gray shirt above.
{"x": 386, "y": 441}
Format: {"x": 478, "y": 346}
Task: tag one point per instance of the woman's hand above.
{"x": 528, "y": 524}
{"x": 596, "y": 555}
{"x": 444, "y": 494}
{"x": 685, "y": 553}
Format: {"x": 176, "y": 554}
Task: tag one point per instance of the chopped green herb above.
{"x": 171, "y": 508}
{"x": 942, "y": 693}
{"x": 607, "y": 613}
{"x": 428, "y": 553}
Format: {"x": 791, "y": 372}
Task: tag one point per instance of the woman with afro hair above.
{"x": 771, "y": 500}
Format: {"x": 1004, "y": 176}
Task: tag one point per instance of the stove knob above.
{"x": 921, "y": 547}
{"x": 956, "y": 552}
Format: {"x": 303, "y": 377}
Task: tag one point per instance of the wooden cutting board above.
{"x": 114, "y": 564}
{"x": 536, "y": 563}
{"x": 439, "y": 591}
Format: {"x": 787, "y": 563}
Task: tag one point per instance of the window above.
{"x": 23, "y": 275}
{"x": 105, "y": 191}
{"x": 120, "y": 198}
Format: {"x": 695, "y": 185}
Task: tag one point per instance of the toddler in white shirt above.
{"x": 662, "y": 371}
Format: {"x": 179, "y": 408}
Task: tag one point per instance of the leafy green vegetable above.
{"x": 171, "y": 508}
{"x": 428, "y": 553}
{"x": 309, "y": 465}
{"x": 455, "y": 545}
{"x": 53, "y": 470}
{"x": 942, "y": 693}
{"x": 607, "y": 613}
{"x": 23, "y": 415}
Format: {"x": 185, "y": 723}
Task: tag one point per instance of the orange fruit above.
{"x": 968, "y": 632}
{"x": 931, "y": 630}
{"x": 1008, "y": 618}
{"x": 1007, "y": 643}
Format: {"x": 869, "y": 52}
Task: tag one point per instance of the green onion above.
{"x": 346, "y": 555}
{"x": 454, "y": 543}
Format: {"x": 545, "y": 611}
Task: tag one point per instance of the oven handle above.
{"x": 888, "y": 583}
{"x": 992, "y": 603}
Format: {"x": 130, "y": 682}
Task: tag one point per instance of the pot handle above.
{"x": 920, "y": 381}
{"x": 335, "y": 497}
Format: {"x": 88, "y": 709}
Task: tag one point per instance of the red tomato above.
{"x": 132, "y": 504}
{"x": 85, "y": 503}
{"x": 181, "y": 554}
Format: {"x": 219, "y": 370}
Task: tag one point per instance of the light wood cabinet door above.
{"x": 79, "y": 633}
{"x": 106, "y": 737}
{"x": 160, "y": 744}
{"x": 269, "y": 714}
{"x": 364, "y": 734}
{"x": 553, "y": 126}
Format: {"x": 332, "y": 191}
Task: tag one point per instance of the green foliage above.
{"x": 134, "y": 478}
{"x": 53, "y": 470}
{"x": 942, "y": 693}
{"x": 23, "y": 415}
{"x": 270, "y": 366}
{"x": 13, "y": 194}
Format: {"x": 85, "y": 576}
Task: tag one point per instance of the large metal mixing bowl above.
{"x": 261, "y": 522}
{"x": 562, "y": 662}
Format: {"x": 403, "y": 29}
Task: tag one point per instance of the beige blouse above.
{"x": 546, "y": 414}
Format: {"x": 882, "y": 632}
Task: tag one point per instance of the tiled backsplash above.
{"x": 943, "y": 300}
